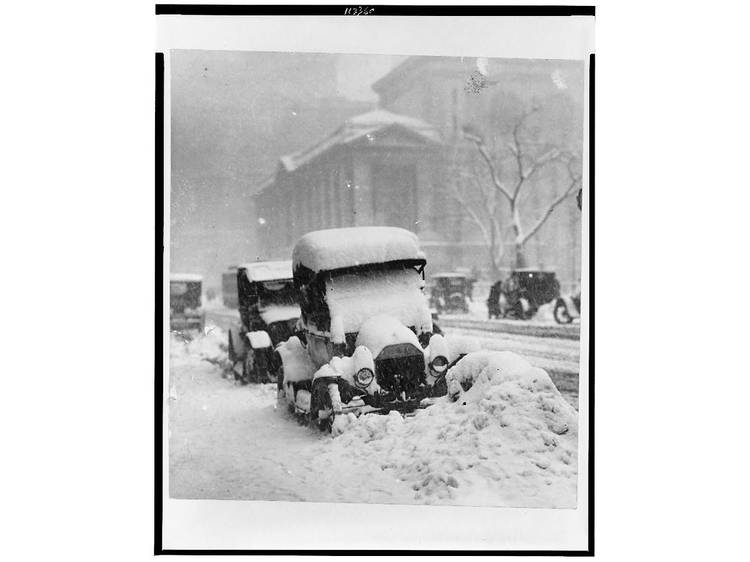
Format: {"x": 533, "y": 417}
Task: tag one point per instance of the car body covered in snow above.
{"x": 450, "y": 292}
{"x": 185, "y": 302}
{"x": 268, "y": 313}
{"x": 365, "y": 338}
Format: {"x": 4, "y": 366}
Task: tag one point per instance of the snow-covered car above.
{"x": 268, "y": 313}
{"x": 450, "y": 292}
{"x": 185, "y": 302}
{"x": 522, "y": 293}
{"x": 365, "y": 338}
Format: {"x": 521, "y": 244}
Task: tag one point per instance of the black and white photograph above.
{"x": 376, "y": 276}
{"x": 407, "y": 279}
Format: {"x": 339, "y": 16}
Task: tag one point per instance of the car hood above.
{"x": 381, "y": 331}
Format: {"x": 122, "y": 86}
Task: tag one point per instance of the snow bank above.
{"x": 356, "y": 298}
{"x": 336, "y": 248}
{"x": 460, "y": 345}
{"x": 510, "y": 440}
{"x": 211, "y": 345}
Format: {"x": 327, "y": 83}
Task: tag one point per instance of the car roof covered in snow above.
{"x": 185, "y": 277}
{"x": 267, "y": 270}
{"x": 339, "y": 248}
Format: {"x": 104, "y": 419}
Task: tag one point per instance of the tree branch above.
{"x": 569, "y": 191}
{"x": 477, "y": 140}
{"x": 474, "y": 217}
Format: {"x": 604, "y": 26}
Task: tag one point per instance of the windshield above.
{"x": 184, "y": 294}
{"x": 354, "y": 298}
{"x": 276, "y": 293}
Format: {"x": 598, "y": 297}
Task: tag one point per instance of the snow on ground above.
{"x": 545, "y": 315}
{"x": 509, "y": 441}
{"x": 231, "y": 442}
{"x": 559, "y": 357}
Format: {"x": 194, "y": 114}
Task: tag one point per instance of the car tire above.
{"x": 562, "y": 314}
{"x": 248, "y": 367}
{"x": 230, "y": 350}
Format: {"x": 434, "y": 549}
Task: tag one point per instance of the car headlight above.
{"x": 363, "y": 377}
{"x": 439, "y": 365}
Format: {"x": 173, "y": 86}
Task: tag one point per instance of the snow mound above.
{"x": 210, "y": 345}
{"x": 460, "y": 345}
{"x": 510, "y": 439}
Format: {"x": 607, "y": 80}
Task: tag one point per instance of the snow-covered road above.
{"x": 559, "y": 357}
{"x": 231, "y": 442}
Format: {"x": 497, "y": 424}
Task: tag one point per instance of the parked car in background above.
{"x": 185, "y": 302}
{"x": 522, "y": 293}
{"x": 450, "y": 292}
{"x": 365, "y": 341}
{"x": 268, "y": 313}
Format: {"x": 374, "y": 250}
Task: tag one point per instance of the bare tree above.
{"x": 486, "y": 215}
{"x": 527, "y": 163}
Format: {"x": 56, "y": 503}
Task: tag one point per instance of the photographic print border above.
{"x": 229, "y": 10}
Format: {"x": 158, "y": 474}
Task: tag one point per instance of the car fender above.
{"x": 572, "y": 308}
{"x": 258, "y": 339}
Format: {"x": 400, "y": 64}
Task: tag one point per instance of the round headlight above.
{"x": 439, "y": 364}
{"x": 363, "y": 377}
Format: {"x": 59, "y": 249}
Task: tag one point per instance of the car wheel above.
{"x": 562, "y": 315}
{"x": 230, "y": 350}
{"x": 248, "y": 367}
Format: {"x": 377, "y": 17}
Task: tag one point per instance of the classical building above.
{"x": 397, "y": 165}
{"x": 378, "y": 168}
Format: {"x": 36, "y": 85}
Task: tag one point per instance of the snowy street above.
{"x": 558, "y": 356}
{"x": 229, "y": 441}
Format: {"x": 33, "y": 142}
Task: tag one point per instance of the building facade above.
{"x": 378, "y": 168}
{"x": 397, "y": 166}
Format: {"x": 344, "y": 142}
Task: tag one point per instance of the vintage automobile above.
{"x": 522, "y": 293}
{"x": 268, "y": 313}
{"x": 450, "y": 292}
{"x": 567, "y": 308}
{"x": 365, "y": 340}
{"x": 185, "y": 302}
{"x": 229, "y": 288}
